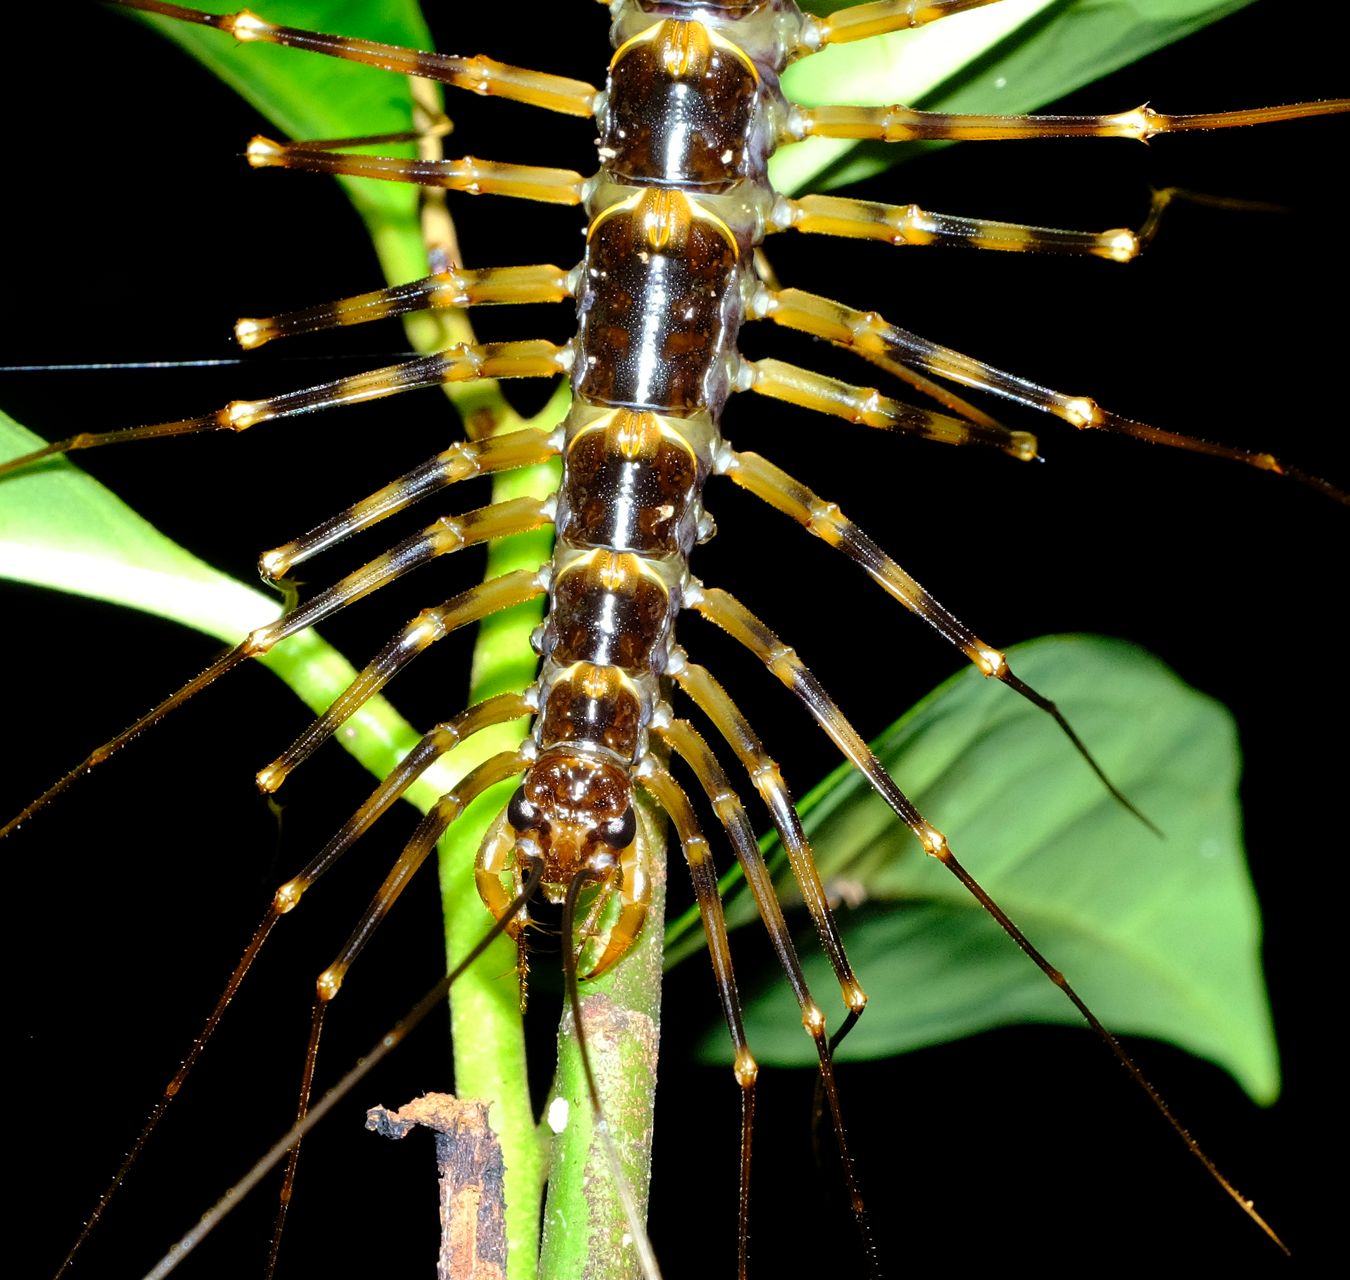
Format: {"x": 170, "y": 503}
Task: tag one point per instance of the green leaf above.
{"x": 1008, "y": 58}
{"x": 1162, "y": 935}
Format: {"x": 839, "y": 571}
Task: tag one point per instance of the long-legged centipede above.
{"x": 1220, "y": 646}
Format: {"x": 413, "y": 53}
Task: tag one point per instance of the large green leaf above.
{"x": 1161, "y": 935}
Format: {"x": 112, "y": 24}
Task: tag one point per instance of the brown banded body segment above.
{"x": 597, "y": 706}
{"x": 609, "y": 608}
{"x": 682, "y": 110}
{"x": 632, "y": 484}
{"x": 658, "y": 309}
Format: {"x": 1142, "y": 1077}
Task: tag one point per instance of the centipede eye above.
{"x": 520, "y": 813}
{"x": 619, "y": 832}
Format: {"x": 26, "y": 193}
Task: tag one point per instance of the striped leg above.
{"x": 463, "y": 362}
{"x": 825, "y": 521}
{"x": 445, "y": 536}
{"x": 690, "y": 746}
{"x": 717, "y": 705}
{"x": 461, "y": 461}
{"x": 670, "y": 796}
{"x": 870, "y": 334}
{"x": 733, "y": 617}
{"x": 286, "y": 898}
{"x": 454, "y": 288}
{"x": 447, "y": 811}
{"x": 904, "y": 124}
{"x": 423, "y": 631}
{"x": 475, "y": 177}
{"x": 781, "y": 381}
{"x": 907, "y": 224}
{"x": 478, "y": 74}
{"x": 866, "y": 20}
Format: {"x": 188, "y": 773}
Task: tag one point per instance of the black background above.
{"x": 141, "y": 235}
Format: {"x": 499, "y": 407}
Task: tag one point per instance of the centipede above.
{"x": 1221, "y": 571}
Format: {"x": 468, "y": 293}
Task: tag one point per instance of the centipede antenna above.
{"x": 429, "y": 1003}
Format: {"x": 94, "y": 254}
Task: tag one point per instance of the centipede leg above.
{"x": 423, "y": 631}
{"x": 688, "y": 743}
{"x": 825, "y": 521}
{"x": 434, "y": 745}
{"x": 461, "y": 461}
{"x": 445, "y": 536}
{"x": 670, "y": 796}
{"x": 463, "y": 362}
{"x": 781, "y": 381}
{"x": 904, "y": 124}
{"x": 866, "y": 20}
{"x": 449, "y": 808}
{"x": 468, "y": 174}
{"x": 907, "y": 224}
{"x": 717, "y": 705}
{"x": 454, "y": 288}
{"x": 869, "y": 334}
{"x": 727, "y": 612}
{"x": 477, "y": 74}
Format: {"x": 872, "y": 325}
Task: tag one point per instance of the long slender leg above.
{"x": 732, "y": 815}
{"x": 387, "y": 1043}
{"x": 455, "y": 288}
{"x": 443, "y": 537}
{"x": 447, "y": 811}
{"x": 497, "y": 710}
{"x": 446, "y": 535}
{"x": 781, "y": 381}
{"x": 460, "y": 363}
{"x": 461, "y": 461}
{"x": 717, "y": 705}
{"x": 866, "y": 331}
{"x": 423, "y": 631}
{"x": 827, "y": 522}
{"x": 429, "y": 831}
{"x": 467, "y": 174}
{"x": 477, "y": 74}
{"x": 907, "y": 224}
{"x": 904, "y": 124}
{"x": 733, "y": 617}
{"x": 865, "y": 20}
{"x": 669, "y": 795}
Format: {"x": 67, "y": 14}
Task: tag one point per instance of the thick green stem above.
{"x": 586, "y": 1232}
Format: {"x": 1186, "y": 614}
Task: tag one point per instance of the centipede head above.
{"x": 573, "y": 814}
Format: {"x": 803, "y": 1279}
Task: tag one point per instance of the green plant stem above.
{"x": 586, "y": 1233}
